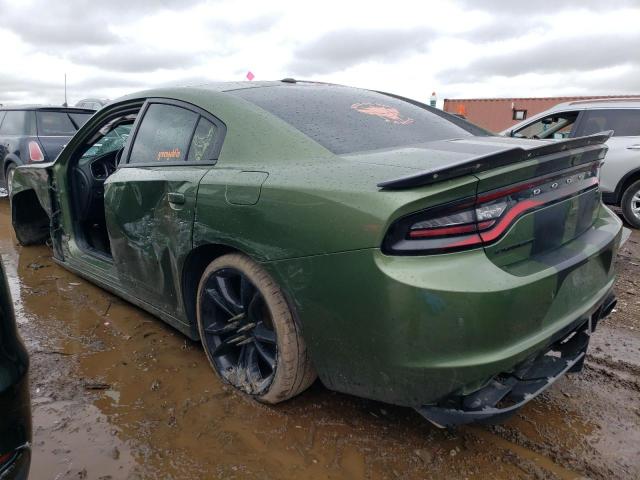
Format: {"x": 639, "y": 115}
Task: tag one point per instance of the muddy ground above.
{"x": 117, "y": 394}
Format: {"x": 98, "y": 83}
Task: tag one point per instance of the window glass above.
{"x": 346, "y": 120}
{"x": 164, "y": 134}
{"x": 1, "y": 117}
{"x": 519, "y": 114}
{"x": 14, "y": 123}
{"x": 112, "y": 141}
{"x": 203, "y": 143}
{"x": 55, "y": 124}
{"x": 624, "y": 123}
{"x": 80, "y": 118}
{"x": 557, "y": 125}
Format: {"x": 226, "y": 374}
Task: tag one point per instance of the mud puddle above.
{"x": 117, "y": 394}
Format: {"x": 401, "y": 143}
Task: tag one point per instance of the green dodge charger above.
{"x": 303, "y": 230}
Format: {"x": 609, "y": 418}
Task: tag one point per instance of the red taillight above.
{"x": 443, "y": 231}
{"x": 479, "y": 221}
{"x": 5, "y": 458}
{"x": 35, "y": 152}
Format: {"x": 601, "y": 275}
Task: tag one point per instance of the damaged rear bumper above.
{"x": 507, "y": 392}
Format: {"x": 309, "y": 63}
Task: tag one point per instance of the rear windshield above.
{"x": 60, "y": 123}
{"x": 347, "y": 120}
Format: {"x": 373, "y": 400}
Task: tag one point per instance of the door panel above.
{"x": 150, "y": 202}
{"x": 149, "y": 214}
{"x": 622, "y": 157}
{"x": 619, "y": 161}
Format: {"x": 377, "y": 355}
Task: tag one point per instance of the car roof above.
{"x": 46, "y": 107}
{"x": 221, "y": 87}
{"x": 230, "y": 86}
{"x": 621, "y": 102}
{"x": 213, "y": 89}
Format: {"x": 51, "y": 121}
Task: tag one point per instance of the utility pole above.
{"x": 65, "y": 91}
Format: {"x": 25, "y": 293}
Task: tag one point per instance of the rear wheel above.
{"x": 631, "y": 204}
{"x": 249, "y": 333}
{"x": 8, "y": 175}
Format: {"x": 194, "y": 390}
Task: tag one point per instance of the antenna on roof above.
{"x": 65, "y": 91}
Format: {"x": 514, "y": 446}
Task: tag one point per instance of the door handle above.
{"x": 176, "y": 198}
{"x": 634, "y": 147}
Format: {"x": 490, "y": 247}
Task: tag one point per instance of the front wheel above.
{"x": 249, "y": 333}
{"x": 630, "y": 204}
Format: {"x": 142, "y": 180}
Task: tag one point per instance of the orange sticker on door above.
{"x": 175, "y": 153}
{"x": 388, "y": 114}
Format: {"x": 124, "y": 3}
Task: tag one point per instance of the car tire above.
{"x": 249, "y": 332}
{"x": 8, "y": 176}
{"x": 630, "y": 204}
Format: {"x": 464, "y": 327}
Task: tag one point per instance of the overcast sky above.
{"x": 459, "y": 48}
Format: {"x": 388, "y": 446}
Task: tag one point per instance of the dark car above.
{"x": 15, "y": 410}
{"x": 35, "y": 134}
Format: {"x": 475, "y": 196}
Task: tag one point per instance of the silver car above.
{"x": 620, "y": 174}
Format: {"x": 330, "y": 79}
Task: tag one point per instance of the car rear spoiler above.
{"x": 592, "y": 143}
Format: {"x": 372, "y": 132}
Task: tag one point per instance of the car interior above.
{"x": 96, "y": 161}
{"x": 556, "y": 126}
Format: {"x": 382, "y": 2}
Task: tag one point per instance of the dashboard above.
{"x": 102, "y": 167}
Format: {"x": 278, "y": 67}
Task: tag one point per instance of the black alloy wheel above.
{"x": 238, "y": 329}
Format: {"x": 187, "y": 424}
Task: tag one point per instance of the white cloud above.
{"x": 411, "y": 48}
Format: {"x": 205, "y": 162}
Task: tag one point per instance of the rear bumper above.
{"x": 507, "y": 392}
{"x": 415, "y": 330}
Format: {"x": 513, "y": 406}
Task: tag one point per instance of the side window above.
{"x": 164, "y": 135}
{"x": 624, "y": 123}
{"x": 203, "y": 142}
{"x": 557, "y": 126}
{"x": 1, "y": 118}
{"x": 14, "y": 123}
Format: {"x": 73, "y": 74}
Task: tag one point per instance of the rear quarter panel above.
{"x": 11, "y": 147}
{"x": 310, "y": 202}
